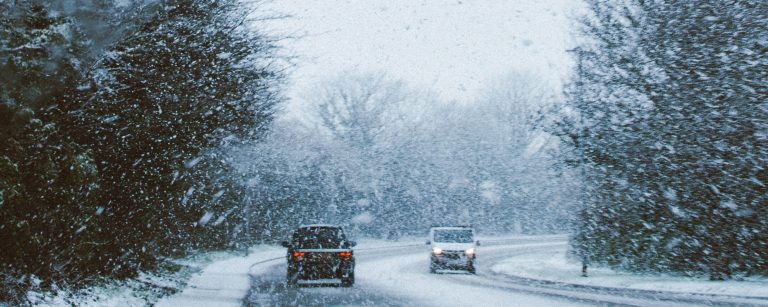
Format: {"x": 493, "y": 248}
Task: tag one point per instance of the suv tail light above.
{"x": 345, "y": 254}
{"x": 298, "y": 254}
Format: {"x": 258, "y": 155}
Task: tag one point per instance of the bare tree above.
{"x": 356, "y": 108}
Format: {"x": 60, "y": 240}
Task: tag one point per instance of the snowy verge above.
{"x": 143, "y": 290}
{"x": 224, "y": 282}
{"x": 552, "y": 265}
{"x": 217, "y": 278}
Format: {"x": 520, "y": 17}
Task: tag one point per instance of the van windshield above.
{"x": 453, "y": 235}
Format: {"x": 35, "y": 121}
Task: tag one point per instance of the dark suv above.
{"x": 319, "y": 252}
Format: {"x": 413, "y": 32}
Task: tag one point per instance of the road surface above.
{"x": 398, "y": 275}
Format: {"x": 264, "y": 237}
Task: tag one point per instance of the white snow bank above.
{"x": 207, "y": 279}
{"x": 224, "y": 282}
{"x": 552, "y": 265}
{"x": 140, "y": 291}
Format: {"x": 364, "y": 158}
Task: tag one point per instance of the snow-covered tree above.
{"x": 196, "y": 77}
{"x": 669, "y": 127}
{"x": 46, "y": 179}
{"x": 116, "y": 123}
{"x": 496, "y": 160}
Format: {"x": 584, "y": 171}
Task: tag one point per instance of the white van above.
{"x": 453, "y": 247}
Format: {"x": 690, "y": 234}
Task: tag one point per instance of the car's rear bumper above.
{"x": 316, "y": 265}
{"x": 320, "y": 281}
{"x": 308, "y": 272}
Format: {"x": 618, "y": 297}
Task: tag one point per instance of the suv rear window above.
{"x": 453, "y": 235}
{"x": 319, "y": 237}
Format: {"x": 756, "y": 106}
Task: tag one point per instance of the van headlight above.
{"x": 470, "y": 251}
{"x": 437, "y": 251}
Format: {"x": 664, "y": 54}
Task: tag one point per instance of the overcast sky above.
{"x": 450, "y": 47}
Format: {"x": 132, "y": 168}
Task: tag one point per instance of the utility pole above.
{"x": 579, "y": 52}
{"x": 246, "y": 209}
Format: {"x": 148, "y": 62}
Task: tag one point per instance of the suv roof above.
{"x": 319, "y": 225}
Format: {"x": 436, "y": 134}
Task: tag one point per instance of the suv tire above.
{"x": 292, "y": 278}
{"x": 348, "y": 281}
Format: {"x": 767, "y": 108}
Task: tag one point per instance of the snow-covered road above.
{"x": 397, "y": 274}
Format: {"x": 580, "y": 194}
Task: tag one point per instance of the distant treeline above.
{"x": 387, "y": 160}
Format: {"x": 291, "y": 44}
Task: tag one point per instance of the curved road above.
{"x": 398, "y": 275}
